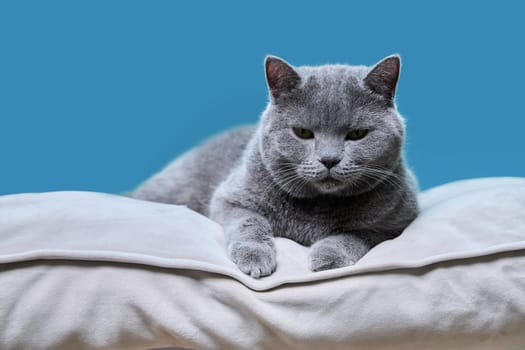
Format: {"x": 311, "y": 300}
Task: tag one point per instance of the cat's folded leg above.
{"x": 337, "y": 251}
{"x": 250, "y": 243}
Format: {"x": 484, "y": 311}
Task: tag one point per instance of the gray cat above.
{"x": 323, "y": 167}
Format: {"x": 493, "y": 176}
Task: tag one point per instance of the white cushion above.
{"x": 91, "y": 270}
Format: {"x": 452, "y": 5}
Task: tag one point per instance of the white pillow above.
{"x": 89, "y": 270}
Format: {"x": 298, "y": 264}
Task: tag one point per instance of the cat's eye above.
{"x": 356, "y": 134}
{"x": 303, "y": 133}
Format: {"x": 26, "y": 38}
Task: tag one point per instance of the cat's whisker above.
{"x": 283, "y": 181}
{"x": 286, "y": 179}
{"x": 291, "y": 184}
{"x": 299, "y": 185}
{"x": 384, "y": 179}
{"x": 398, "y": 188}
{"x": 378, "y": 173}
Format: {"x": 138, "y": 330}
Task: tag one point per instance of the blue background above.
{"x": 97, "y": 95}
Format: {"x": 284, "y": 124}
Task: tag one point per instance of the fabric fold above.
{"x": 459, "y": 220}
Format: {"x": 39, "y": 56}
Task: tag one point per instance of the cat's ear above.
{"x": 280, "y": 76}
{"x": 382, "y": 78}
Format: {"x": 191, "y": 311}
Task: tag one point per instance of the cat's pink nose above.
{"x": 329, "y": 163}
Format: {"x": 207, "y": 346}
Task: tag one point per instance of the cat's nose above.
{"x": 329, "y": 163}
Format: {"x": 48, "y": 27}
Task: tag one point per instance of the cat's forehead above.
{"x": 334, "y": 93}
{"x": 334, "y": 83}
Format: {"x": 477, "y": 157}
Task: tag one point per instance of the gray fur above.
{"x": 264, "y": 181}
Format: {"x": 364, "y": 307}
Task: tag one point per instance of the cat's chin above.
{"x": 329, "y": 186}
{"x": 314, "y": 188}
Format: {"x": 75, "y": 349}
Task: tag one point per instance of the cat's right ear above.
{"x": 382, "y": 78}
{"x": 280, "y": 76}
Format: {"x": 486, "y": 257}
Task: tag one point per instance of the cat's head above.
{"x": 331, "y": 129}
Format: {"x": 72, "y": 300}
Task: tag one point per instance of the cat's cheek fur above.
{"x": 281, "y": 143}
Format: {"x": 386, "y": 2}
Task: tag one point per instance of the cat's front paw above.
{"x": 325, "y": 256}
{"x": 254, "y": 259}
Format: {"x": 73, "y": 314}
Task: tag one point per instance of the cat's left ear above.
{"x": 382, "y": 78}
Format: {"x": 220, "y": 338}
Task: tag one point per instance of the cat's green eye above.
{"x": 356, "y": 134}
{"x": 303, "y": 133}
